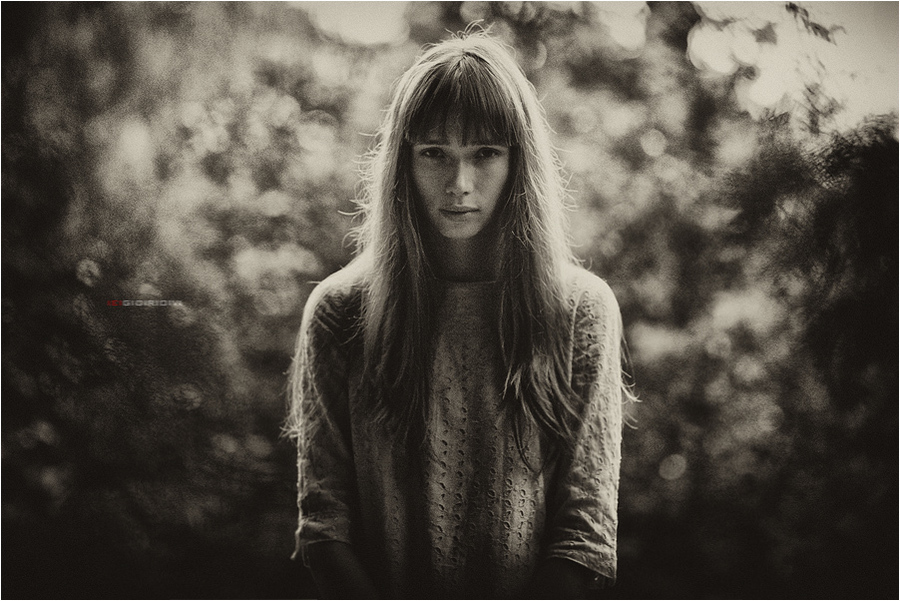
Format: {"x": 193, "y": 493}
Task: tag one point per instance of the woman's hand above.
{"x": 561, "y": 579}
{"x": 338, "y": 572}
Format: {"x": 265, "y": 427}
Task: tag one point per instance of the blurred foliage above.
{"x": 208, "y": 153}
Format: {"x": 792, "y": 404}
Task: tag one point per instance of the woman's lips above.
{"x": 459, "y": 210}
{"x": 458, "y": 213}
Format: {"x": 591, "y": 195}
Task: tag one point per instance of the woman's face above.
{"x": 459, "y": 186}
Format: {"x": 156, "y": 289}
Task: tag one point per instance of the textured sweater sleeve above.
{"x": 327, "y": 493}
{"x": 584, "y": 521}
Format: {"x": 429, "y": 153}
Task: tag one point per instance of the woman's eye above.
{"x": 488, "y": 153}
{"x": 432, "y": 153}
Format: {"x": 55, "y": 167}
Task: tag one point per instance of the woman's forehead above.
{"x": 456, "y": 131}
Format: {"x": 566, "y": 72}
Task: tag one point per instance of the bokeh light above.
{"x": 732, "y": 170}
{"x": 844, "y": 50}
{"x": 364, "y": 23}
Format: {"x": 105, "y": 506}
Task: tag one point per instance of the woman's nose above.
{"x": 462, "y": 180}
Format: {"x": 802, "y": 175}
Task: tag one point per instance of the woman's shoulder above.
{"x": 596, "y": 321}
{"x": 336, "y": 301}
{"x": 587, "y": 290}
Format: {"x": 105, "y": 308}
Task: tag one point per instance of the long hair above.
{"x": 472, "y": 82}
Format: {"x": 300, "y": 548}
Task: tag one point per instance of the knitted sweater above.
{"x": 469, "y": 516}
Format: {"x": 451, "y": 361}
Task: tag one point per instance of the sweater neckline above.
{"x": 468, "y": 289}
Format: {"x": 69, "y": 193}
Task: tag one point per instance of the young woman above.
{"x": 456, "y": 391}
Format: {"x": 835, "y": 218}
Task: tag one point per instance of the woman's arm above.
{"x": 582, "y": 508}
{"x": 338, "y": 573}
{"x": 327, "y": 494}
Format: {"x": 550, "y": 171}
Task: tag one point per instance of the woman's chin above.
{"x": 459, "y": 231}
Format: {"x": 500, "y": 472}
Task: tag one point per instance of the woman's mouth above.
{"x": 458, "y": 213}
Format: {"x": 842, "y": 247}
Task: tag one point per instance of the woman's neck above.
{"x": 469, "y": 260}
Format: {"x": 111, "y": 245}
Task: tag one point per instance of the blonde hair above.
{"x": 470, "y": 81}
